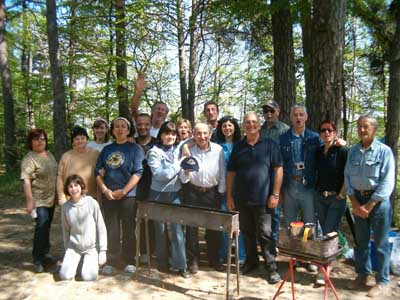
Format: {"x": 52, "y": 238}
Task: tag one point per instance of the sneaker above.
{"x": 380, "y": 290}
{"x": 273, "y": 277}
{"x": 130, "y": 269}
{"x": 185, "y": 274}
{"x": 107, "y": 270}
{"x": 320, "y": 279}
{"x": 38, "y": 268}
{"x": 358, "y": 283}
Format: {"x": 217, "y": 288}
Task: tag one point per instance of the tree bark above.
{"x": 325, "y": 93}
{"x": 305, "y": 13}
{"x": 393, "y": 101}
{"x": 284, "y": 63}
{"x": 59, "y": 116}
{"x": 182, "y": 60}
{"x": 72, "y": 88}
{"x": 121, "y": 68}
{"x": 9, "y": 117}
{"x": 192, "y": 60}
{"x": 26, "y": 68}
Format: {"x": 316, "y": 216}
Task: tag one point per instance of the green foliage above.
{"x": 11, "y": 188}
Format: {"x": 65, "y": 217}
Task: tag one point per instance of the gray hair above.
{"x": 201, "y": 124}
{"x": 298, "y": 106}
{"x": 251, "y": 113}
{"x": 372, "y": 120}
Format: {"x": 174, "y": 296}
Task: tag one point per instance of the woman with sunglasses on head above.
{"x": 331, "y": 201}
{"x": 38, "y": 172}
{"x": 228, "y": 134}
{"x": 101, "y": 135}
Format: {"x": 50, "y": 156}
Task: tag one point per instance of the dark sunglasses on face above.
{"x": 322, "y": 130}
{"x": 268, "y": 110}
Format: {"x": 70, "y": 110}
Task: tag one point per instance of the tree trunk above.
{"x": 121, "y": 68}
{"x": 393, "y": 102}
{"x": 73, "y": 99}
{"x": 9, "y": 117}
{"x": 325, "y": 95}
{"x": 284, "y": 63}
{"x": 192, "y": 60}
{"x": 305, "y": 12}
{"x": 26, "y": 68}
{"x": 59, "y": 116}
{"x": 182, "y": 60}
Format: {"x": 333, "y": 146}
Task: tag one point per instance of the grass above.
{"x": 11, "y": 193}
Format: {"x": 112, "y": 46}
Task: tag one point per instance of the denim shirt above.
{"x": 311, "y": 143}
{"x": 371, "y": 169}
{"x": 164, "y": 170}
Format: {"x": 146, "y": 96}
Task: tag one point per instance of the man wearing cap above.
{"x": 273, "y": 128}
{"x": 159, "y": 110}
{"x": 253, "y": 162}
{"x": 203, "y": 189}
{"x": 369, "y": 180}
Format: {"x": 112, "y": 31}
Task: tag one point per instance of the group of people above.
{"x": 309, "y": 174}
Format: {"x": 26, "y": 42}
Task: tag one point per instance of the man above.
{"x": 159, "y": 110}
{"x": 203, "y": 189}
{"x": 298, "y": 147}
{"x": 369, "y": 180}
{"x": 253, "y": 161}
{"x": 273, "y": 128}
{"x": 211, "y": 112}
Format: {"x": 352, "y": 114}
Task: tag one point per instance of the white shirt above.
{"x": 211, "y": 168}
{"x": 154, "y": 131}
{"x": 98, "y": 147}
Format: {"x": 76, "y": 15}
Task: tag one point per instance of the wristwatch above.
{"x": 276, "y": 196}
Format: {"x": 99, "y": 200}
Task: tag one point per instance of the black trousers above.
{"x": 208, "y": 199}
{"x": 255, "y": 223}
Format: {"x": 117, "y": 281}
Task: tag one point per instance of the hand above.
{"x": 30, "y": 205}
{"x": 187, "y": 172}
{"x": 118, "y": 194}
{"x": 273, "y": 201}
{"x": 340, "y": 142}
{"x": 361, "y": 212}
{"x": 102, "y": 258}
{"x": 140, "y": 83}
{"x": 185, "y": 151}
{"x": 229, "y": 204}
{"x": 109, "y": 194}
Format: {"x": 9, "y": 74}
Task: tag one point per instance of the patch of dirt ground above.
{"x": 18, "y": 281}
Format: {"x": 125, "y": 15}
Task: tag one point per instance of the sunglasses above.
{"x": 268, "y": 110}
{"x": 322, "y": 130}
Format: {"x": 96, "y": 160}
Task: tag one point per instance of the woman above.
{"x": 184, "y": 128}
{"x": 80, "y": 160}
{"x": 84, "y": 232}
{"x": 331, "y": 202}
{"x": 228, "y": 133}
{"x": 101, "y": 136}
{"x": 38, "y": 172}
{"x": 122, "y": 165}
{"x": 165, "y": 185}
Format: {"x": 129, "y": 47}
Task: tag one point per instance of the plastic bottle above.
{"x": 395, "y": 256}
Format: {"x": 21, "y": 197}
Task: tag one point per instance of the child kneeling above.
{"x": 84, "y": 232}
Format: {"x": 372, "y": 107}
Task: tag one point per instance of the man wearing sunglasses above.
{"x": 273, "y": 128}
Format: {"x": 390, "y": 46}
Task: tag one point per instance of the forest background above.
{"x": 67, "y": 62}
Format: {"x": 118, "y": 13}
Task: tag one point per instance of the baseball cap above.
{"x": 271, "y": 104}
{"x": 190, "y": 163}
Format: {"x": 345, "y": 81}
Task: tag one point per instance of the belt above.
{"x": 328, "y": 193}
{"x": 202, "y": 189}
{"x": 365, "y": 193}
{"x": 297, "y": 178}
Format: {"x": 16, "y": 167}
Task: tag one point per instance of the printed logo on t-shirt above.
{"x": 115, "y": 159}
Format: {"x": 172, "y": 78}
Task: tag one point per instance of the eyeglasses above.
{"x": 268, "y": 110}
{"x": 322, "y": 130}
{"x": 42, "y": 139}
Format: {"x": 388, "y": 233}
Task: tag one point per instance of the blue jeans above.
{"x": 297, "y": 198}
{"x": 223, "y": 251}
{"x": 276, "y": 222}
{"x": 330, "y": 211}
{"x": 379, "y": 221}
{"x": 41, "y": 240}
{"x": 175, "y": 235}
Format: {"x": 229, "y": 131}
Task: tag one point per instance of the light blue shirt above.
{"x": 370, "y": 169}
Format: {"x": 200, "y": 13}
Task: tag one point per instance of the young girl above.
{"x": 84, "y": 232}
